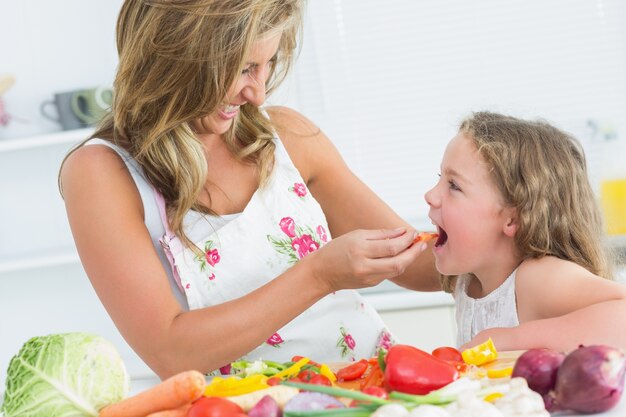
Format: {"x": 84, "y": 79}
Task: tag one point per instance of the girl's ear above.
{"x": 510, "y": 225}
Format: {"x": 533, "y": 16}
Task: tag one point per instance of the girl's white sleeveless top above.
{"x": 497, "y": 309}
{"x": 241, "y": 252}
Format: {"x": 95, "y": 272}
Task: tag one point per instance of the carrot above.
{"x": 172, "y": 393}
{"x": 174, "y": 412}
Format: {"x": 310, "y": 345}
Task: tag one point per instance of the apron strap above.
{"x": 169, "y": 241}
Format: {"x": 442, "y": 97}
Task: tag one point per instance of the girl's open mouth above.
{"x": 442, "y": 238}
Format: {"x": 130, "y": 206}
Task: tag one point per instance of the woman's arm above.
{"x": 347, "y": 202}
{"x": 560, "y": 306}
{"x": 107, "y": 221}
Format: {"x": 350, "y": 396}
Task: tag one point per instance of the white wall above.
{"x": 53, "y": 46}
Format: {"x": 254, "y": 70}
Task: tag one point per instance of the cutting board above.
{"x": 505, "y": 359}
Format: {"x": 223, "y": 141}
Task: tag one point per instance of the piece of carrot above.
{"x": 172, "y": 393}
{"x": 175, "y": 412}
{"x": 425, "y": 237}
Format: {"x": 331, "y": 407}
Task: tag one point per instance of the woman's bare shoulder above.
{"x": 309, "y": 148}
{"x": 96, "y": 174}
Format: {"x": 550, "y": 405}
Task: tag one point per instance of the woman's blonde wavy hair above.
{"x": 541, "y": 172}
{"x": 177, "y": 59}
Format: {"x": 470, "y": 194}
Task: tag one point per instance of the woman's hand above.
{"x": 364, "y": 258}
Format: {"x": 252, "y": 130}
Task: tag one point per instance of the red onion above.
{"x": 590, "y": 379}
{"x": 539, "y": 367}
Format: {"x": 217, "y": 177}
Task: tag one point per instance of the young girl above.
{"x": 520, "y": 239}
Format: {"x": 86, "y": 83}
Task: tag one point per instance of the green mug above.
{"x": 92, "y": 104}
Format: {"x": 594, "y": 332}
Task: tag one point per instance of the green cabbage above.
{"x": 63, "y": 375}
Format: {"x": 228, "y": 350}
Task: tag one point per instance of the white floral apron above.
{"x": 281, "y": 224}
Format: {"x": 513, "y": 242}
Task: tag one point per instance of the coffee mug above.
{"x": 62, "y": 113}
{"x": 92, "y": 104}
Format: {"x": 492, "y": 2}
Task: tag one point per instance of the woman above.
{"x": 248, "y": 199}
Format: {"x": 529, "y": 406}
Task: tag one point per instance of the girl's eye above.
{"x": 246, "y": 70}
{"x": 453, "y": 186}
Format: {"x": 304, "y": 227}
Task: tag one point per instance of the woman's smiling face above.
{"x": 468, "y": 211}
{"x": 248, "y": 88}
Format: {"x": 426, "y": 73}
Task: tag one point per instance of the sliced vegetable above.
{"x": 214, "y": 407}
{"x": 325, "y": 370}
{"x": 353, "y": 371}
{"x": 265, "y": 367}
{"x": 374, "y": 378}
{"x": 411, "y": 370}
{"x": 234, "y": 385}
{"x": 320, "y": 380}
{"x": 590, "y": 379}
{"x": 480, "y": 354}
{"x": 500, "y": 372}
{"x": 174, "y": 392}
{"x": 266, "y": 407}
{"x": 425, "y": 237}
{"x": 539, "y": 368}
{"x": 293, "y": 370}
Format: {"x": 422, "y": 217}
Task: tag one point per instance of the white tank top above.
{"x": 281, "y": 224}
{"x": 496, "y": 309}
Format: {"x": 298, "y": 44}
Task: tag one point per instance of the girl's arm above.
{"x": 561, "y": 306}
{"x": 106, "y": 216}
{"x": 598, "y": 324}
{"x": 347, "y": 202}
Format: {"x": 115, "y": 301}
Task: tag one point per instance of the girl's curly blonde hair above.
{"x": 541, "y": 172}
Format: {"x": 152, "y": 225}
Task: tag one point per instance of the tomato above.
{"x": 273, "y": 381}
{"x": 214, "y": 407}
{"x": 306, "y": 375}
{"x": 354, "y": 371}
{"x": 448, "y": 354}
{"x": 371, "y": 390}
{"x": 376, "y": 392}
{"x": 320, "y": 380}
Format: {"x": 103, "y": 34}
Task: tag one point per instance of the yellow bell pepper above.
{"x": 220, "y": 387}
{"x": 492, "y": 397}
{"x": 325, "y": 371}
{"x": 499, "y": 373}
{"x": 480, "y": 354}
{"x": 293, "y": 370}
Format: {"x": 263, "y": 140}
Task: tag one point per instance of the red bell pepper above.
{"x": 414, "y": 371}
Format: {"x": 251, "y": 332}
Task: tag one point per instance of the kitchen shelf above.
{"x": 21, "y": 263}
{"x": 49, "y": 139}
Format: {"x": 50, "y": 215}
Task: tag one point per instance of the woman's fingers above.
{"x": 385, "y": 244}
{"x": 384, "y": 267}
